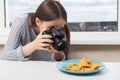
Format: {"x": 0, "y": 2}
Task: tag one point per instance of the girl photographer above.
{"x": 26, "y": 41}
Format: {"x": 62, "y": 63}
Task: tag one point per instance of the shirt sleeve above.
{"x": 13, "y": 47}
{"x": 53, "y": 58}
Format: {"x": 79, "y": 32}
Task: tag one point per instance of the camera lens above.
{"x": 59, "y": 44}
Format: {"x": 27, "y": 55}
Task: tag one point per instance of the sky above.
{"x": 77, "y": 10}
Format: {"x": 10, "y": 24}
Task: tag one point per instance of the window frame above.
{"x": 2, "y": 13}
{"x": 83, "y": 38}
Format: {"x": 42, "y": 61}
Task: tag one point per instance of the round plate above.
{"x": 61, "y": 66}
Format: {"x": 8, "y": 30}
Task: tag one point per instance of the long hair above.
{"x": 49, "y": 10}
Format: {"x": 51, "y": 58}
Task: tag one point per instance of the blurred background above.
{"x": 93, "y": 24}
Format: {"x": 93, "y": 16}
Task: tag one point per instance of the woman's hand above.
{"x": 42, "y": 42}
{"x": 58, "y": 55}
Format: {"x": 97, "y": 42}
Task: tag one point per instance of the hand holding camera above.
{"x": 58, "y": 37}
{"x": 52, "y": 38}
{"x": 42, "y": 42}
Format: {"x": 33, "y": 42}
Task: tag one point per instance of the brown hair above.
{"x": 50, "y": 10}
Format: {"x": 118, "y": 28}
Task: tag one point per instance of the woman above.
{"x": 26, "y": 41}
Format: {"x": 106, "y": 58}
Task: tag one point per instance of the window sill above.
{"x": 3, "y": 40}
{"x": 95, "y": 38}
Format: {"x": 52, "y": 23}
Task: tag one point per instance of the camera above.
{"x": 58, "y": 36}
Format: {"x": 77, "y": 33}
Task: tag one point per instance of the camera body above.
{"x": 58, "y": 36}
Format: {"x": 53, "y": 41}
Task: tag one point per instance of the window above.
{"x": 18, "y": 7}
{"x": 90, "y": 15}
{"x": 95, "y": 21}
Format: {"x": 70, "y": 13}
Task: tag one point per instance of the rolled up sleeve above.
{"x": 20, "y": 54}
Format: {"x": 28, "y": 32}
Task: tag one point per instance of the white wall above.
{"x": 102, "y": 53}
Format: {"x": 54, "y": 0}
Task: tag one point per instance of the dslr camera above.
{"x": 58, "y": 36}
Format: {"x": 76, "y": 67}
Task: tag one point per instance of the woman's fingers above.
{"x": 52, "y": 48}
{"x": 45, "y": 37}
{"x": 46, "y": 41}
{"x": 43, "y": 42}
{"x": 42, "y": 31}
{"x": 45, "y": 45}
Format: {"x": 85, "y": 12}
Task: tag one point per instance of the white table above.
{"x": 42, "y": 70}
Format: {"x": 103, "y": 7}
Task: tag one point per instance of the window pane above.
{"x": 83, "y": 15}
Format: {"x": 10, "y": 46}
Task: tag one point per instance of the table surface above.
{"x": 43, "y": 70}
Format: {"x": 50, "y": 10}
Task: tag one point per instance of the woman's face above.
{"x": 60, "y": 22}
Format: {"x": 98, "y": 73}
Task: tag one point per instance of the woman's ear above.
{"x": 38, "y": 21}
